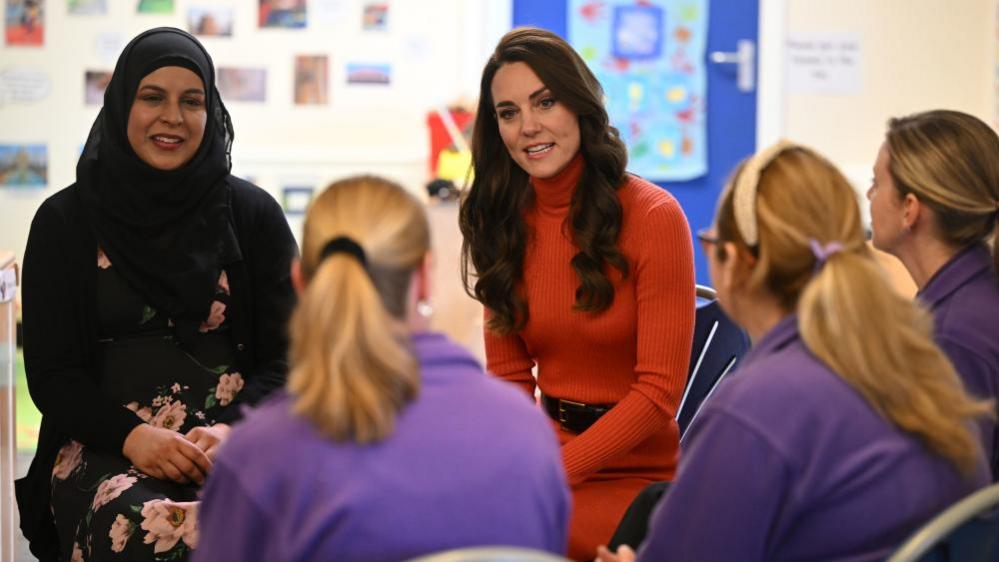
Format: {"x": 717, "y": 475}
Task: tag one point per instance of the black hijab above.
{"x": 168, "y": 233}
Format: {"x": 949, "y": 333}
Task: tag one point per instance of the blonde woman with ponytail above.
{"x": 390, "y": 442}
{"x": 845, "y": 427}
{"x": 934, "y": 205}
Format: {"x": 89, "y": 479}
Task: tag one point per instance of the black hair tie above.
{"x": 344, "y": 245}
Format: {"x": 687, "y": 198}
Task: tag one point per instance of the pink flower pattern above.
{"x": 229, "y": 386}
{"x": 121, "y": 531}
{"x": 111, "y": 489}
{"x": 68, "y": 458}
{"x": 224, "y": 282}
{"x": 166, "y": 525}
{"x": 102, "y": 259}
{"x": 167, "y": 522}
{"x": 170, "y": 416}
{"x": 215, "y": 318}
{"x": 144, "y": 413}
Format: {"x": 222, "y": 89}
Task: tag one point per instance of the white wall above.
{"x": 915, "y": 55}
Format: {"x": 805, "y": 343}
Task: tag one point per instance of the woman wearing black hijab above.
{"x": 156, "y": 291}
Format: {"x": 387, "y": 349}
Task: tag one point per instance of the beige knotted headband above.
{"x": 744, "y": 191}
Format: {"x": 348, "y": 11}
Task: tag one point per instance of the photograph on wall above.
{"x": 282, "y": 13}
{"x": 210, "y": 21}
{"x": 155, "y": 7}
{"x": 86, "y": 7}
{"x": 295, "y": 198}
{"x": 23, "y": 165}
{"x": 24, "y": 21}
{"x": 311, "y": 79}
{"x": 369, "y": 74}
{"x": 375, "y": 16}
{"x": 242, "y": 84}
{"x": 649, "y": 57}
{"x": 95, "y": 82}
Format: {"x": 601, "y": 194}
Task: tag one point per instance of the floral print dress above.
{"x": 105, "y": 508}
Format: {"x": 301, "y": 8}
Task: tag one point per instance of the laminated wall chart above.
{"x": 649, "y": 57}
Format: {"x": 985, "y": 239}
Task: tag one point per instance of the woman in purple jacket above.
{"x": 845, "y": 427}
{"x": 934, "y": 203}
{"x": 391, "y": 442}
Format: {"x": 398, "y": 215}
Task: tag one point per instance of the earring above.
{"x": 424, "y": 308}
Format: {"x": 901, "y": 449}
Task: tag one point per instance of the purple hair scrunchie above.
{"x": 823, "y": 252}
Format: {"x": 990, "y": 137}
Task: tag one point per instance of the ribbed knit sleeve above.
{"x": 664, "y": 293}
{"x": 507, "y": 358}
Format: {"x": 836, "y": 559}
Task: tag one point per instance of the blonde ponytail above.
{"x": 880, "y": 344}
{"x": 352, "y": 369}
{"x": 849, "y": 317}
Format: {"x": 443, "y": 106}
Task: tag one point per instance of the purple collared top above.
{"x": 964, "y": 298}
{"x": 470, "y": 463}
{"x": 788, "y": 462}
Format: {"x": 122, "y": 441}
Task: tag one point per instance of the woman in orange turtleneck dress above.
{"x": 585, "y": 272}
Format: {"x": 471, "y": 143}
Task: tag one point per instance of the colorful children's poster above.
{"x": 87, "y": 7}
{"x": 311, "y": 79}
{"x": 95, "y": 82}
{"x": 242, "y": 84}
{"x": 649, "y": 57}
{"x": 23, "y": 165}
{"x": 24, "y": 22}
{"x": 210, "y": 21}
{"x": 365, "y": 73}
{"x": 282, "y": 13}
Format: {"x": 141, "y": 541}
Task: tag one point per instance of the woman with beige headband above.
{"x": 846, "y": 428}
{"x": 934, "y": 203}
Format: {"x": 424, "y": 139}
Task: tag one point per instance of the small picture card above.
{"x": 367, "y": 73}
{"x": 24, "y": 165}
{"x": 95, "y": 82}
{"x": 375, "y": 16}
{"x": 210, "y": 21}
{"x": 295, "y": 199}
{"x": 282, "y": 13}
{"x": 242, "y": 84}
{"x": 311, "y": 79}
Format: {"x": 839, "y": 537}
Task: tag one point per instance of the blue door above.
{"x": 731, "y": 113}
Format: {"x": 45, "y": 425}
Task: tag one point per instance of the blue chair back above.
{"x": 718, "y": 345}
{"x": 968, "y": 531}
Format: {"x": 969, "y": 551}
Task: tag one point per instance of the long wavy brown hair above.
{"x": 491, "y": 217}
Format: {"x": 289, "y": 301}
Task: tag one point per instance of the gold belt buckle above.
{"x": 561, "y": 409}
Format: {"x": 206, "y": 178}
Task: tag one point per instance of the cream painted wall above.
{"x": 915, "y": 55}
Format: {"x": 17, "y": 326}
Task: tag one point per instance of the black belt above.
{"x": 573, "y": 416}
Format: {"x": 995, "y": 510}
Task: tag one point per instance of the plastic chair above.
{"x": 491, "y": 554}
{"x": 718, "y": 345}
{"x": 968, "y": 531}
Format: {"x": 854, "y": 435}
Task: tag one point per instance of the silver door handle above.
{"x": 745, "y": 60}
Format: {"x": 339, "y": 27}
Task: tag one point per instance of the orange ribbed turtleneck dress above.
{"x": 634, "y": 354}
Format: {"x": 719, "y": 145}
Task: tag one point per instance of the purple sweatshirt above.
{"x": 964, "y": 298}
{"x": 787, "y": 462}
{"x": 470, "y": 463}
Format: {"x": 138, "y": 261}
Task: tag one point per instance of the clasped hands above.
{"x": 168, "y": 455}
